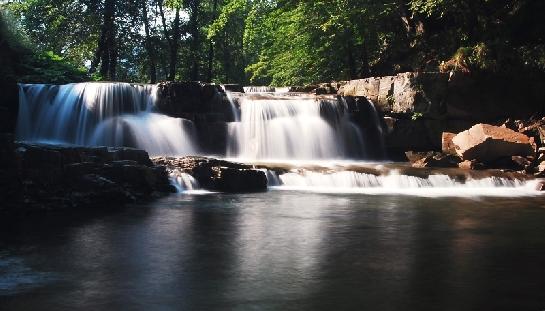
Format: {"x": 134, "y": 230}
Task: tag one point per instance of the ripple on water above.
{"x": 16, "y": 276}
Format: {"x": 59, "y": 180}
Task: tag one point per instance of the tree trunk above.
{"x": 106, "y": 54}
{"x": 211, "y": 46}
{"x": 172, "y": 42}
{"x": 365, "y": 70}
{"x": 194, "y": 65}
{"x": 149, "y": 46}
{"x": 351, "y": 62}
{"x": 226, "y": 60}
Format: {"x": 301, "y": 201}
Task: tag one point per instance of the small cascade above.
{"x": 183, "y": 182}
{"x": 160, "y": 135}
{"x": 234, "y": 110}
{"x": 91, "y": 114}
{"x": 293, "y": 127}
{"x": 259, "y": 89}
{"x": 282, "y": 89}
{"x": 272, "y": 178}
{"x": 374, "y": 132}
{"x": 393, "y": 182}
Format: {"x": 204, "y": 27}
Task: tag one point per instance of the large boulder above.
{"x": 419, "y": 135}
{"x": 183, "y": 99}
{"x": 217, "y": 175}
{"x": 487, "y": 143}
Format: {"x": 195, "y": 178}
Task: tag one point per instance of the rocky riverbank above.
{"x": 46, "y": 177}
{"x": 484, "y": 146}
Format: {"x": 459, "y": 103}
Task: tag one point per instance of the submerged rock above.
{"x": 487, "y": 143}
{"x": 218, "y": 175}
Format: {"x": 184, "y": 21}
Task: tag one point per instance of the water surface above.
{"x": 281, "y": 250}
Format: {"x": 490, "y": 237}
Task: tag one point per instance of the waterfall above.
{"x": 313, "y": 136}
{"x": 293, "y": 127}
{"x": 91, "y": 114}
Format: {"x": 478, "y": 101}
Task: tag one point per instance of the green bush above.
{"x": 47, "y": 67}
{"x": 19, "y": 62}
{"x": 470, "y": 59}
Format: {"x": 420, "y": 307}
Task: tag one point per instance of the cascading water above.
{"x": 234, "y": 111}
{"x": 91, "y": 114}
{"x": 293, "y": 127}
{"x": 259, "y": 89}
{"x": 265, "y": 89}
{"x": 183, "y": 182}
{"x": 396, "y": 183}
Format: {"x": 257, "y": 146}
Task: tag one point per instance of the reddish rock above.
{"x": 447, "y": 146}
{"x": 413, "y": 156}
{"x": 487, "y": 143}
{"x": 470, "y": 165}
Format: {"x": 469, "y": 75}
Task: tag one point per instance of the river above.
{"x": 280, "y": 250}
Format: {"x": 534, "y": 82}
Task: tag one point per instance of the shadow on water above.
{"x": 281, "y": 250}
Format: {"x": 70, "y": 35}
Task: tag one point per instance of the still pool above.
{"x": 280, "y": 250}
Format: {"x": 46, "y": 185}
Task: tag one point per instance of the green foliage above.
{"x": 26, "y": 65}
{"x": 416, "y": 116}
{"x": 48, "y": 67}
{"x": 279, "y": 42}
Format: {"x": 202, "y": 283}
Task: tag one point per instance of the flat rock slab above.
{"x": 487, "y": 143}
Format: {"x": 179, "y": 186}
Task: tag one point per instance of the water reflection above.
{"x": 283, "y": 250}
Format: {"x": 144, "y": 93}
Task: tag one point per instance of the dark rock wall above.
{"x": 206, "y": 105}
{"x": 9, "y": 104}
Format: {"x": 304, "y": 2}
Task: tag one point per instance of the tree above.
{"x": 107, "y": 51}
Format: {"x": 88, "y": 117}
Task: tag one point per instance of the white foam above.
{"x": 294, "y": 127}
{"x": 434, "y": 186}
{"x": 95, "y": 114}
